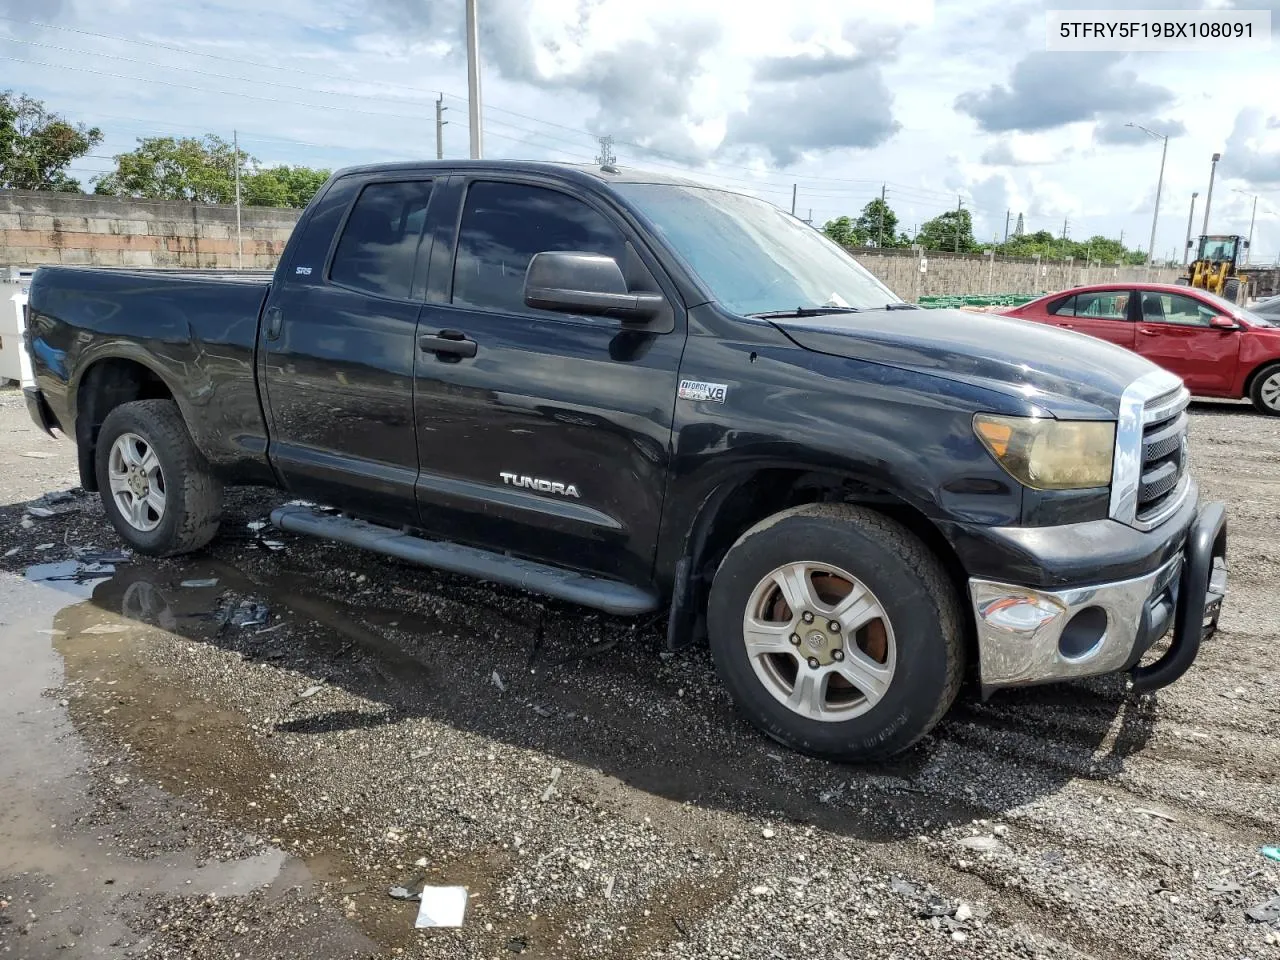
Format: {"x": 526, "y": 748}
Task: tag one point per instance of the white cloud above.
{"x": 837, "y": 97}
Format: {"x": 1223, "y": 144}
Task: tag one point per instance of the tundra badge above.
{"x": 542, "y": 486}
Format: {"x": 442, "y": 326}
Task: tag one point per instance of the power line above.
{"x": 692, "y": 161}
{"x": 760, "y": 181}
{"x": 221, "y": 93}
{"x": 200, "y": 73}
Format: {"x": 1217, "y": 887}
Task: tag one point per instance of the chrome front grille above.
{"x": 1150, "y": 478}
{"x": 1164, "y": 453}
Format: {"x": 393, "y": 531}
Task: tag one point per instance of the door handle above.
{"x": 448, "y": 345}
{"x": 273, "y": 320}
{"x": 1146, "y": 331}
{"x": 1067, "y": 326}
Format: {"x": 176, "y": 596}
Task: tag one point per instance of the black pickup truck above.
{"x": 641, "y": 394}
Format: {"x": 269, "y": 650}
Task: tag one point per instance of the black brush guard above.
{"x": 1201, "y": 587}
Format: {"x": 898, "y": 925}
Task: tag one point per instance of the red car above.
{"x": 1216, "y": 347}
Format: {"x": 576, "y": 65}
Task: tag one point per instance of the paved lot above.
{"x": 175, "y": 785}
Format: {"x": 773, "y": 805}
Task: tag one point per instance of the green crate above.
{"x": 991, "y": 300}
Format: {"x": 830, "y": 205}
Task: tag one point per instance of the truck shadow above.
{"x": 588, "y": 689}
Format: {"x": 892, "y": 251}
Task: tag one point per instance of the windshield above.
{"x": 751, "y": 256}
{"x": 1218, "y": 248}
{"x": 1233, "y": 310}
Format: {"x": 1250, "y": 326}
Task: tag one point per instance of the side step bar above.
{"x": 607, "y": 595}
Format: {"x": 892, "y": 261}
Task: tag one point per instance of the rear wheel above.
{"x": 157, "y": 488}
{"x": 837, "y": 632}
{"x": 1265, "y": 392}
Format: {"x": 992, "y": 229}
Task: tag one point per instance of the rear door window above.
{"x": 1103, "y": 305}
{"x": 379, "y": 245}
{"x": 1066, "y": 307}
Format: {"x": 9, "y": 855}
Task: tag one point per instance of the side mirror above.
{"x": 591, "y": 283}
{"x": 1190, "y": 244}
{"x": 1223, "y": 322}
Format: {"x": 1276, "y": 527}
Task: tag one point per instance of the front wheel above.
{"x": 1231, "y": 290}
{"x": 1265, "y": 392}
{"x": 156, "y": 487}
{"x": 837, "y": 632}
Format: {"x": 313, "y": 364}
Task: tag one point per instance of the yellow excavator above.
{"x": 1216, "y": 266}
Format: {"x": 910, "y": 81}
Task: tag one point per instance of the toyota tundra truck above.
{"x": 643, "y": 395}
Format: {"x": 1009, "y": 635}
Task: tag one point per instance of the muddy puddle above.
{"x": 90, "y": 849}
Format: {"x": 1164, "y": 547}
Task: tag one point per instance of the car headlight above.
{"x": 1050, "y": 454}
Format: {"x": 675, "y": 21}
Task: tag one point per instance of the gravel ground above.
{"x": 174, "y": 785}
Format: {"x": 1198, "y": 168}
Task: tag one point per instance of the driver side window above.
{"x": 1176, "y": 309}
{"x": 505, "y": 224}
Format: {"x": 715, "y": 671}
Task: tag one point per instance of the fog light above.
{"x": 1021, "y": 613}
{"x": 1083, "y": 633}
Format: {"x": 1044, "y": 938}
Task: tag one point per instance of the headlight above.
{"x": 1050, "y": 454}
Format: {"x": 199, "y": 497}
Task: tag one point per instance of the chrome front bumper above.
{"x": 1028, "y": 636}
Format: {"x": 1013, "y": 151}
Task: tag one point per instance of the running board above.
{"x": 607, "y": 595}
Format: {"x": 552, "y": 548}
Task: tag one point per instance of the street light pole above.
{"x": 1208, "y": 197}
{"x": 1155, "y": 214}
{"x": 473, "y": 81}
{"x": 1252, "y": 217}
{"x": 1190, "y": 216}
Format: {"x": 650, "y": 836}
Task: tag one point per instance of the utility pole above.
{"x": 440, "y": 122}
{"x": 1008, "y": 215}
{"x": 793, "y": 199}
{"x": 1208, "y": 197}
{"x": 1248, "y": 244}
{"x": 473, "y": 82}
{"x": 235, "y": 146}
{"x": 959, "y": 207}
{"x": 1064, "y": 228}
{"x": 1155, "y": 215}
{"x": 1191, "y": 215}
{"x": 880, "y": 241}
{"x": 1252, "y": 217}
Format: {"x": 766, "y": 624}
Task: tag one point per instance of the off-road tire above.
{"x": 1255, "y": 390}
{"x": 1231, "y": 290}
{"x": 915, "y": 592}
{"x": 193, "y": 495}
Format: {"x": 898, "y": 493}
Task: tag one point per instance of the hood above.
{"x": 1069, "y": 374}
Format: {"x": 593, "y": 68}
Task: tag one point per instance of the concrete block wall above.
{"x": 38, "y": 228}
{"x": 973, "y": 274}
{"x": 42, "y": 228}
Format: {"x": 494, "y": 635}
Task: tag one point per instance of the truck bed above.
{"x": 197, "y": 330}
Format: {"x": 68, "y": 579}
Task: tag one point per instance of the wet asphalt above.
{"x": 241, "y": 752}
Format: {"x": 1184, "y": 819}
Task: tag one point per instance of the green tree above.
{"x": 164, "y": 168}
{"x": 844, "y": 232}
{"x": 203, "y": 170}
{"x": 37, "y": 146}
{"x": 877, "y": 221}
{"x": 281, "y": 186}
{"x": 1045, "y": 245}
{"x": 941, "y": 232}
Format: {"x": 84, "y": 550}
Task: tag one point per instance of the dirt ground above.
{"x": 175, "y": 784}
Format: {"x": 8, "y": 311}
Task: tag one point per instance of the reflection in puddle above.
{"x": 81, "y": 854}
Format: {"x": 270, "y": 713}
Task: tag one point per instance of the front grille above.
{"x": 1164, "y": 454}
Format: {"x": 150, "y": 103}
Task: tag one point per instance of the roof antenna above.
{"x": 606, "y": 159}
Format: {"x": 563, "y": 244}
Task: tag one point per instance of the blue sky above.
{"x": 936, "y": 100}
